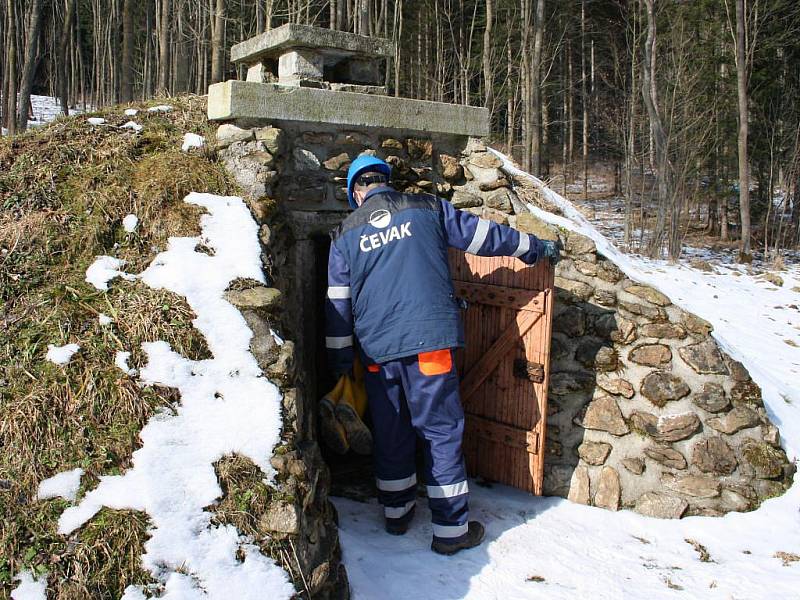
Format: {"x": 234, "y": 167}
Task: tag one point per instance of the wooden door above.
{"x": 505, "y": 366}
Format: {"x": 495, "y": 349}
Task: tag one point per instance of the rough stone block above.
{"x": 651, "y": 355}
{"x": 616, "y": 386}
{"x": 463, "y": 199}
{"x": 714, "y": 455}
{"x": 594, "y": 453}
{"x": 696, "y": 486}
{"x": 608, "y": 489}
{"x": 649, "y": 294}
{"x": 712, "y": 399}
{"x": 579, "y": 486}
{"x": 603, "y": 414}
{"x": 662, "y": 331}
{"x": 633, "y": 464}
{"x": 340, "y": 162}
{"x": 673, "y": 428}
{"x": 767, "y": 462}
{"x": 660, "y": 505}
{"x": 271, "y": 137}
{"x": 739, "y": 418}
{"x": 528, "y": 223}
{"x": 255, "y": 298}
{"x": 668, "y": 457}
{"x": 228, "y": 133}
{"x": 704, "y": 357}
{"x": 571, "y": 290}
{"x": 450, "y": 167}
{"x": 661, "y": 387}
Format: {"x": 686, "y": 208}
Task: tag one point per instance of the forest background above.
{"x": 690, "y": 108}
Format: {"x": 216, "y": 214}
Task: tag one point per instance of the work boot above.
{"x": 400, "y": 526}
{"x": 332, "y": 431}
{"x": 448, "y": 546}
{"x": 358, "y": 435}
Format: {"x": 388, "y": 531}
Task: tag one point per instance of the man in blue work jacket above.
{"x": 389, "y": 284}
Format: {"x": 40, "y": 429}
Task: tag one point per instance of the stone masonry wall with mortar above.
{"x": 300, "y": 516}
{"x": 645, "y": 411}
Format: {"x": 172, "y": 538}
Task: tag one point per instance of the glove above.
{"x": 552, "y": 250}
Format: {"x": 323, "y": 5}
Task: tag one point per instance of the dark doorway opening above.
{"x": 351, "y": 474}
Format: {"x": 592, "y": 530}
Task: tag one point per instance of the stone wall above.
{"x": 645, "y": 411}
{"x": 300, "y": 517}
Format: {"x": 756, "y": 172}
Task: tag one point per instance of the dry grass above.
{"x": 64, "y": 190}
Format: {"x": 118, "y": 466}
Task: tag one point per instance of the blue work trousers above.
{"x": 417, "y": 397}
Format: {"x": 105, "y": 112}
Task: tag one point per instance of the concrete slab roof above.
{"x": 266, "y": 102}
{"x": 330, "y": 42}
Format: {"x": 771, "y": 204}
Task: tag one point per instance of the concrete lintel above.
{"x": 328, "y": 41}
{"x": 265, "y": 102}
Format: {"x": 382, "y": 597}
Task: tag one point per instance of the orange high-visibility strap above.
{"x": 435, "y": 362}
{"x": 374, "y": 368}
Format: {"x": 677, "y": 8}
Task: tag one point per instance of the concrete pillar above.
{"x": 300, "y": 64}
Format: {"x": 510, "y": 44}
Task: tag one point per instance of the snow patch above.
{"x": 132, "y": 125}
{"x": 61, "y": 355}
{"x": 104, "y": 269}
{"x": 130, "y": 223}
{"x": 30, "y": 588}
{"x": 131, "y": 112}
{"x": 95, "y": 120}
{"x": 227, "y": 406}
{"x": 104, "y": 319}
{"x": 121, "y": 361}
{"x": 160, "y": 108}
{"x": 192, "y": 140}
{"x": 63, "y": 485}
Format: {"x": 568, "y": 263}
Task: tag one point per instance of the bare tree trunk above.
{"x": 659, "y": 135}
{"x": 30, "y": 64}
{"x": 744, "y": 166}
{"x": 363, "y": 17}
{"x": 571, "y": 107}
{"x": 126, "y": 85}
{"x": 218, "y": 43}
{"x": 63, "y": 83}
{"x": 488, "y": 71}
{"x": 398, "y": 19}
{"x": 11, "y": 70}
{"x": 585, "y": 103}
{"x": 181, "y": 45}
{"x": 525, "y": 75}
{"x": 630, "y": 147}
{"x": 536, "y": 90}
{"x": 511, "y": 94}
{"x": 163, "y": 46}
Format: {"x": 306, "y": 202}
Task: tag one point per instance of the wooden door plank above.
{"x": 505, "y": 435}
{"x": 487, "y": 363}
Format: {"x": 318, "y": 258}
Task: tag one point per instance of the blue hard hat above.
{"x": 364, "y": 164}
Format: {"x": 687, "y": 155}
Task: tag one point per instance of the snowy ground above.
{"x": 551, "y": 548}
{"x": 46, "y": 109}
{"x": 227, "y": 406}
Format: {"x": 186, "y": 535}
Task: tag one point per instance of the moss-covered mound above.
{"x": 64, "y": 191}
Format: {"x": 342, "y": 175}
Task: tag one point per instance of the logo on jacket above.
{"x": 380, "y": 218}
{"x": 367, "y": 243}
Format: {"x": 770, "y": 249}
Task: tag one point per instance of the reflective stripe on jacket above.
{"x": 389, "y": 278}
